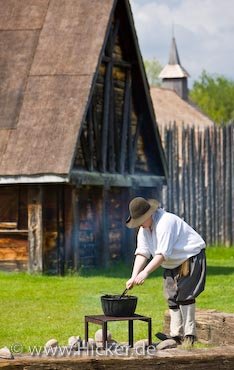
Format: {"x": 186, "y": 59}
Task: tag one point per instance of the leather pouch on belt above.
{"x": 184, "y": 268}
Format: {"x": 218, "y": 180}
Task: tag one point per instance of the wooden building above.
{"x": 171, "y": 101}
{"x": 173, "y": 75}
{"x": 78, "y": 136}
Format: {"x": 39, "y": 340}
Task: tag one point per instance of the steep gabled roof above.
{"x": 174, "y": 68}
{"x": 52, "y": 76}
{"x": 50, "y": 53}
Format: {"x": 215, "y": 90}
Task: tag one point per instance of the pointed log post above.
{"x": 232, "y": 179}
{"x": 35, "y": 230}
{"x": 228, "y": 186}
{"x": 192, "y": 159}
{"x": 184, "y": 172}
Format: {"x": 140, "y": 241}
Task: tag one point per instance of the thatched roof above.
{"x": 49, "y": 51}
{"x": 170, "y": 108}
{"x": 50, "y": 55}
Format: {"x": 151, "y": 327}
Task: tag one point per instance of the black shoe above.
{"x": 163, "y": 336}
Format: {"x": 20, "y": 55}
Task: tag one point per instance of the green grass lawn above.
{"x": 35, "y": 309}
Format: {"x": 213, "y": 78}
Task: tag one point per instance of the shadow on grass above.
{"x": 220, "y": 270}
{"x": 120, "y": 270}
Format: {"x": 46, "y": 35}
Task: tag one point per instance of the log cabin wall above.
{"x": 32, "y": 228}
{"x": 82, "y": 226}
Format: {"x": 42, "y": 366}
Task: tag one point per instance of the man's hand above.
{"x": 130, "y": 283}
{"x": 140, "y": 278}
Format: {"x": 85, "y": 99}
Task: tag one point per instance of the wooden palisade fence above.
{"x": 201, "y": 179}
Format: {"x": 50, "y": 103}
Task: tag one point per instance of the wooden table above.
{"x": 103, "y": 320}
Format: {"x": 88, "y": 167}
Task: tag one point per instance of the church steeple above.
{"x": 174, "y": 56}
{"x": 174, "y": 76}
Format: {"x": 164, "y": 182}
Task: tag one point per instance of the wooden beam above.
{"x": 85, "y": 150}
{"x": 106, "y": 109}
{"x": 108, "y": 105}
{"x": 97, "y": 138}
{"x": 219, "y": 357}
{"x": 60, "y": 228}
{"x": 134, "y": 148}
{"x": 68, "y": 224}
{"x": 111, "y": 146}
{"x": 75, "y": 228}
{"x": 35, "y": 229}
{"x": 112, "y": 39}
{"x": 96, "y": 178}
{"x": 124, "y": 133}
{"x": 130, "y": 142}
{"x": 90, "y": 138}
{"x": 8, "y": 225}
{"x": 117, "y": 62}
{"x": 115, "y": 128}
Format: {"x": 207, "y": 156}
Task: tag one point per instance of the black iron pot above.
{"x": 115, "y": 305}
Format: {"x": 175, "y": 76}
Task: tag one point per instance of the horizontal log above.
{"x": 13, "y": 265}
{"x": 13, "y": 249}
{"x": 8, "y": 225}
{"x": 199, "y": 359}
{"x": 117, "y": 62}
{"x": 96, "y": 178}
{"x": 13, "y": 241}
{"x": 14, "y": 232}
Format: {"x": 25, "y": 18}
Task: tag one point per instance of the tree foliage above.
{"x": 215, "y": 97}
{"x": 153, "y": 68}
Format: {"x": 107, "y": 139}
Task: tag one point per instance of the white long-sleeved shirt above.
{"x": 170, "y": 236}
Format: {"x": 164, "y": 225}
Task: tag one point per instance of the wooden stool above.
{"x": 103, "y": 320}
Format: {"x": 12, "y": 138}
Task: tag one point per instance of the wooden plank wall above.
{"x": 99, "y": 235}
{"x": 201, "y": 179}
{"x": 100, "y": 222}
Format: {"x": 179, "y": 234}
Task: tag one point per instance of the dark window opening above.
{"x": 8, "y": 208}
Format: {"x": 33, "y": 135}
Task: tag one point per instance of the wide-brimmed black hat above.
{"x": 140, "y": 210}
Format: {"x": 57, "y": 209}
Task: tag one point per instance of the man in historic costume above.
{"x": 180, "y": 250}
